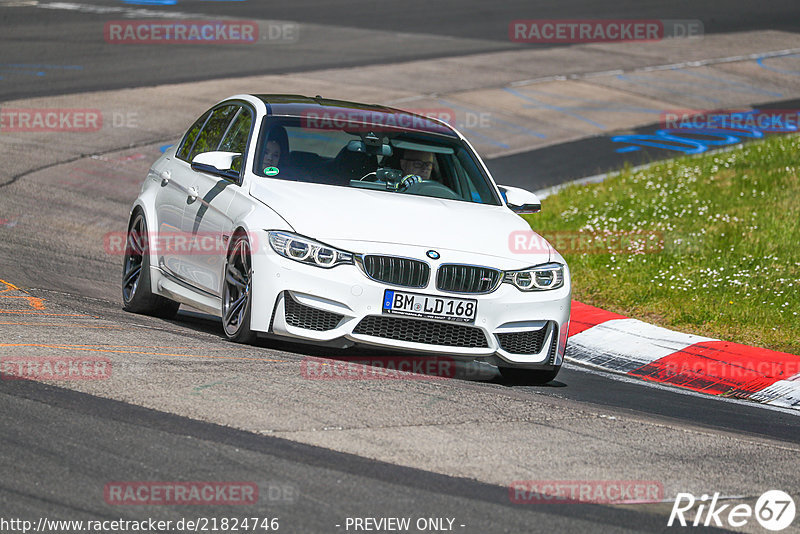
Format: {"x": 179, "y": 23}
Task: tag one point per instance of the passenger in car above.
{"x": 272, "y": 154}
{"x": 276, "y": 150}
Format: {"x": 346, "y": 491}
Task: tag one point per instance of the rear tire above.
{"x": 528, "y": 377}
{"x": 236, "y": 291}
{"x": 136, "y": 294}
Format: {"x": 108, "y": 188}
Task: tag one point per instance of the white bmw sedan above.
{"x": 339, "y": 223}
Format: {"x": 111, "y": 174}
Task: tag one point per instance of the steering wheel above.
{"x": 431, "y": 188}
{"x": 407, "y": 181}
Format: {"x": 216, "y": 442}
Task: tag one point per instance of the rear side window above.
{"x": 211, "y": 134}
{"x": 191, "y": 136}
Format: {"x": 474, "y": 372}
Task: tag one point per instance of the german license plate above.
{"x": 429, "y": 306}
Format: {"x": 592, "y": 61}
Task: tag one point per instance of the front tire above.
{"x": 236, "y": 291}
{"x": 136, "y": 294}
{"x": 528, "y": 377}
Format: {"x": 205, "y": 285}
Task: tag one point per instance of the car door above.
{"x": 205, "y": 218}
{"x": 171, "y": 197}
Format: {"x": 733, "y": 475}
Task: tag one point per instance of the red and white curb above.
{"x": 619, "y": 344}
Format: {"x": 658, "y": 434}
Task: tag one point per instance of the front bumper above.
{"x": 343, "y": 306}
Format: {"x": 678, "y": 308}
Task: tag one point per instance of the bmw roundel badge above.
{"x": 432, "y": 254}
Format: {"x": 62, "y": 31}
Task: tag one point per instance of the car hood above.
{"x": 341, "y": 215}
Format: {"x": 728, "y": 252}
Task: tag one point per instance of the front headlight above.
{"x": 305, "y": 250}
{"x": 538, "y": 278}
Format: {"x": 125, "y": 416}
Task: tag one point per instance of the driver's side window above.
{"x": 235, "y": 139}
{"x": 216, "y": 126}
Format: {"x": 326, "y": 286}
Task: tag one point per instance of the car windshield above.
{"x": 388, "y": 159}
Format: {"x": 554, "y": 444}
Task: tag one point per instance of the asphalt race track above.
{"x": 401, "y": 31}
{"x": 183, "y": 404}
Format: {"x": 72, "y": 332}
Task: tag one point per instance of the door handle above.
{"x": 193, "y": 193}
{"x": 165, "y": 177}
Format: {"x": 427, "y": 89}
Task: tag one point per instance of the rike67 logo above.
{"x": 774, "y": 510}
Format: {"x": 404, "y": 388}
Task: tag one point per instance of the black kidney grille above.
{"x": 397, "y": 271}
{"x": 456, "y": 278}
{"x": 419, "y": 331}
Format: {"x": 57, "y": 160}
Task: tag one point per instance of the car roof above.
{"x": 342, "y": 110}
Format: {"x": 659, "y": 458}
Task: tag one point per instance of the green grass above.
{"x": 727, "y": 230}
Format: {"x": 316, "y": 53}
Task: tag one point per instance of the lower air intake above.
{"x": 529, "y": 342}
{"x": 302, "y": 316}
{"x": 418, "y": 331}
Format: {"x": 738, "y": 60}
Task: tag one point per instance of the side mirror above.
{"x": 520, "y": 201}
{"x": 217, "y": 163}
